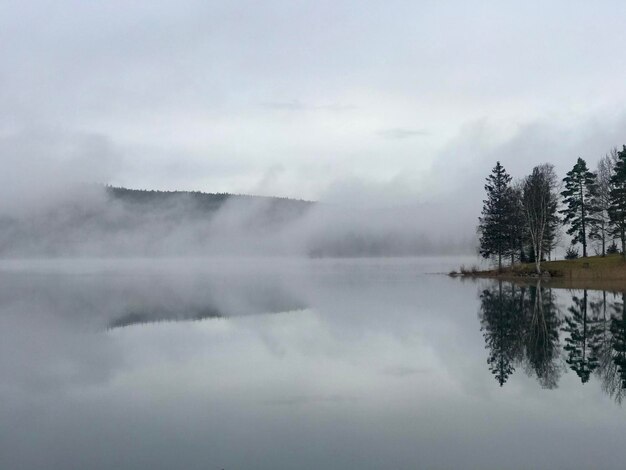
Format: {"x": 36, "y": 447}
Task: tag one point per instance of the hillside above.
{"x": 112, "y": 221}
{"x": 276, "y": 209}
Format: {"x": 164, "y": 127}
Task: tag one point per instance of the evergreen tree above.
{"x": 580, "y": 189}
{"x": 518, "y": 232}
{"x": 617, "y": 209}
{"x": 553, "y": 232}
{"x": 495, "y": 223}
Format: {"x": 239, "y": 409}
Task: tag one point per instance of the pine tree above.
{"x": 553, "y": 232}
{"x": 495, "y": 223}
{"x": 617, "y": 209}
{"x": 580, "y": 189}
{"x": 518, "y": 232}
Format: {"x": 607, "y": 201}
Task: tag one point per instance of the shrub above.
{"x": 571, "y": 253}
{"x": 612, "y": 249}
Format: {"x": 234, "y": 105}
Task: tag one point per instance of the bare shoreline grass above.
{"x": 609, "y": 270}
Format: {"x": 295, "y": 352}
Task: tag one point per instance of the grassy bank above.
{"x": 610, "y": 269}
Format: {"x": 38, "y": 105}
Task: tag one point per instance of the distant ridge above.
{"x": 269, "y": 210}
{"x": 117, "y": 221}
{"x": 149, "y": 195}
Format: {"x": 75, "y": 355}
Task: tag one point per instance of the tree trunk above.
{"x": 539, "y": 250}
{"x": 582, "y": 218}
{"x": 538, "y": 260}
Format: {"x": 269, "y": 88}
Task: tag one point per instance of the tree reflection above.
{"x": 580, "y": 344}
{"x": 618, "y": 331}
{"x": 522, "y": 325}
{"x": 500, "y": 309}
{"x": 541, "y": 338}
{"x": 609, "y": 341}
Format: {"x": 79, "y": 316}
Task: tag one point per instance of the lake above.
{"x": 319, "y": 364}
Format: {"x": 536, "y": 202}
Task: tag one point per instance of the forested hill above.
{"x": 206, "y": 202}
{"x": 113, "y": 221}
{"x": 186, "y": 206}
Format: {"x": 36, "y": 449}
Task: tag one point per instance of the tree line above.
{"x": 521, "y": 220}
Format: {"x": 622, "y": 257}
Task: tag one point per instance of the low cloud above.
{"x": 399, "y": 133}
{"x": 44, "y": 168}
{"x": 296, "y": 105}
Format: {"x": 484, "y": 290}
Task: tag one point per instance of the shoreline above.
{"x": 595, "y": 272}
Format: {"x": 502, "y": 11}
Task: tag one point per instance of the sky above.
{"x": 386, "y": 102}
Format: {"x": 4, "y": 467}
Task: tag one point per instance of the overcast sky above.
{"x": 401, "y": 100}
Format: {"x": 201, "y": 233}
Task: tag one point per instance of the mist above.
{"x": 54, "y": 200}
{"x": 245, "y": 235}
{"x": 94, "y": 222}
{"x": 387, "y": 121}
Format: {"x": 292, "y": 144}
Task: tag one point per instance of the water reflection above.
{"x": 274, "y": 301}
{"x": 372, "y": 364}
{"x": 546, "y": 331}
{"x": 521, "y": 328}
{"x": 581, "y": 343}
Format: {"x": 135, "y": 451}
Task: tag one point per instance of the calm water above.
{"x": 257, "y": 364}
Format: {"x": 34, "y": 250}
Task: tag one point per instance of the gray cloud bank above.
{"x": 210, "y": 95}
{"x": 53, "y": 202}
{"x": 390, "y": 113}
{"x": 115, "y": 222}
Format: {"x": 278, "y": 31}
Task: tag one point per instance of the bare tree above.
{"x": 539, "y": 205}
{"x": 602, "y": 199}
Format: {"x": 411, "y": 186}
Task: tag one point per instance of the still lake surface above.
{"x": 324, "y": 364}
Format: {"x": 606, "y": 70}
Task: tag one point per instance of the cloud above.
{"x": 299, "y": 400}
{"x": 296, "y": 105}
{"x": 284, "y": 105}
{"x": 399, "y": 133}
{"x": 42, "y": 168}
{"x": 303, "y": 100}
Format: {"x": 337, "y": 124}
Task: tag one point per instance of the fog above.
{"x": 225, "y": 228}
{"x": 352, "y": 363}
{"x": 53, "y": 200}
{"x": 90, "y": 221}
{"x": 375, "y": 110}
